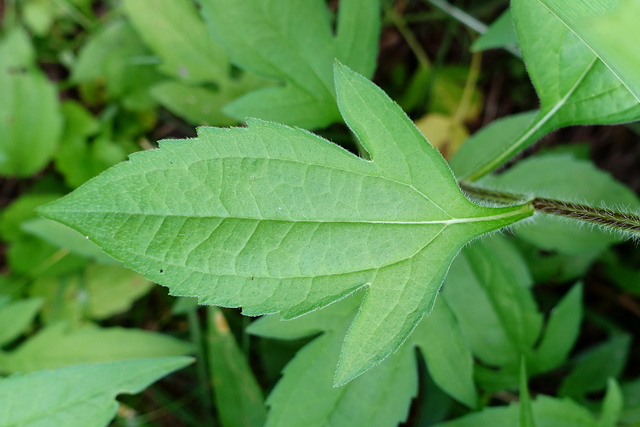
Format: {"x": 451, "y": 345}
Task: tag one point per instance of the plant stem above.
{"x": 201, "y": 367}
{"x": 409, "y": 37}
{"x": 460, "y": 15}
{"x": 468, "y": 20}
{"x": 621, "y": 221}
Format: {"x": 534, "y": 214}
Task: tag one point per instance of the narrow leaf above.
{"x": 25, "y": 148}
{"x": 78, "y": 395}
{"x": 448, "y": 356}
{"x": 275, "y": 219}
{"x": 239, "y": 400}
{"x": 488, "y": 292}
{"x": 611, "y": 405}
{"x": 561, "y": 332}
{"x": 526, "y": 410}
{"x": 595, "y": 366}
{"x": 55, "y": 348}
{"x": 174, "y": 30}
{"x": 16, "y": 317}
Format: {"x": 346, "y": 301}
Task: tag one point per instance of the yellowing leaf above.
{"x": 443, "y": 132}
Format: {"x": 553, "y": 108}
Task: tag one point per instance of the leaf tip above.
{"x": 349, "y": 369}
{"x": 48, "y": 210}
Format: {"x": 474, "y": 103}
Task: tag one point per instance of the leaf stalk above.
{"x": 620, "y": 221}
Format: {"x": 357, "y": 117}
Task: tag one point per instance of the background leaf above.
{"x": 55, "y": 347}
{"x": 607, "y": 27}
{"x": 292, "y": 43}
{"x": 30, "y": 119}
{"x": 380, "y": 397}
{"x": 238, "y": 396}
{"x": 594, "y": 367}
{"x": 501, "y": 34}
{"x": 78, "y": 395}
{"x": 174, "y": 31}
{"x": 547, "y": 412}
{"x": 575, "y": 87}
{"x": 16, "y": 317}
{"x": 98, "y": 292}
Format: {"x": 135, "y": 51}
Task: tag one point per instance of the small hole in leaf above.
{"x": 161, "y": 271}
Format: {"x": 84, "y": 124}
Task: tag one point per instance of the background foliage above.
{"x": 534, "y": 326}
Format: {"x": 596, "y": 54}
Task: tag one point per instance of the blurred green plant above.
{"x": 275, "y": 219}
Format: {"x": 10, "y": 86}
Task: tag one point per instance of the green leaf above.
{"x": 487, "y": 290}
{"x": 54, "y": 347}
{"x": 501, "y": 34}
{"x": 196, "y": 104}
{"x": 61, "y": 236}
{"x": 563, "y": 177}
{"x": 69, "y": 159}
{"x": 608, "y": 27}
{"x": 78, "y": 395}
{"x": 175, "y": 32}
{"x": 631, "y": 395}
{"x": 561, "y": 332}
{"x": 275, "y": 219}
{"x": 292, "y": 42}
{"x": 114, "y": 56}
{"x": 575, "y": 87}
{"x": 611, "y": 405}
{"x": 16, "y": 317}
{"x": 547, "y": 412}
{"x": 526, "y": 411}
{"x": 25, "y": 148}
{"x": 98, "y": 292}
{"x": 87, "y": 147}
{"x": 507, "y": 289}
{"x": 447, "y": 354}
{"x": 28, "y": 254}
{"x": 39, "y": 15}
{"x": 238, "y": 396}
{"x": 594, "y": 367}
{"x": 380, "y": 397}
{"x": 491, "y": 138}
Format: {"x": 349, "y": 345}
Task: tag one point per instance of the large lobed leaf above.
{"x": 276, "y": 219}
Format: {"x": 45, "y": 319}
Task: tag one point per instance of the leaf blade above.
{"x": 78, "y": 395}
{"x": 276, "y": 219}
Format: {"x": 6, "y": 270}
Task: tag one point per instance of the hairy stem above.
{"x": 621, "y": 221}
